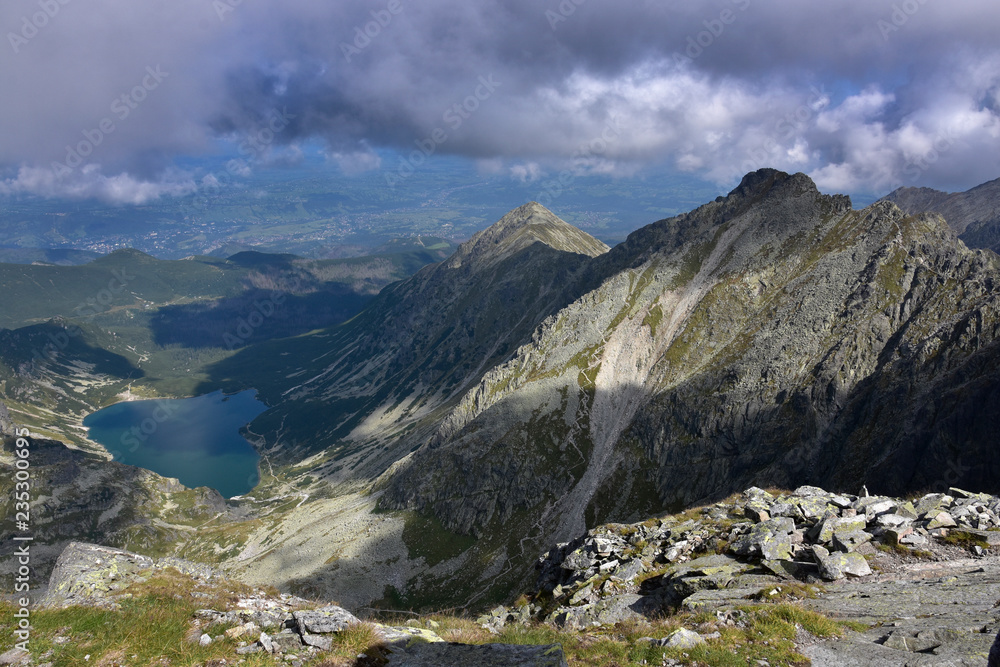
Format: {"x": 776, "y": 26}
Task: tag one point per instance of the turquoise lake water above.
{"x": 196, "y": 440}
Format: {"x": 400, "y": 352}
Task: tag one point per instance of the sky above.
{"x": 113, "y": 99}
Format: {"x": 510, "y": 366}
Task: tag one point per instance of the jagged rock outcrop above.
{"x": 929, "y": 587}
{"x": 285, "y": 626}
{"x": 772, "y": 337}
{"x": 755, "y": 539}
{"x": 81, "y": 496}
{"x": 974, "y": 214}
{"x": 91, "y": 575}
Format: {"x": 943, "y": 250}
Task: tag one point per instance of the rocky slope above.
{"x": 974, "y": 214}
{"x": 245, "y": 622}
{"x": 923, "y": 574}
{"x": 773, "y": 337}
{"x": 77, "y": 495}
{"x": 361, "y": 394}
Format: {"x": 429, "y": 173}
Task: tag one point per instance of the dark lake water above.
{"x": 196, "y": 440}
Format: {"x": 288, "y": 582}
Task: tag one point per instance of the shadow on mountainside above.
{"x": 255, "y": 316}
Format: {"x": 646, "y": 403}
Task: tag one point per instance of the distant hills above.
{"x": 974, "y": 214}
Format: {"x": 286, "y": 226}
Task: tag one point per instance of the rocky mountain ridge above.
{"x": 755, "y": 340}
{"x": 974, "y": 214}
{"x": 423, "y": 453}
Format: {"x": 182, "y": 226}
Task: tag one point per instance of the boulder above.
{"x": 941, "y": 520}
{"x": 838, "y": 565}
{"x": 316, "y": 641}
{"x": 611, "y": 610}
{"x": 850, "y": 541}
{"x": 326, "y": 619}
{"x": 769, "y": 539}
{"x": 913, "y": 540}
{"x": 245, "y": 630}
{"x": 824, "y": 531}
{"x": 683, "y": 639}
{"x": 286, "y": 641}
{"x": 933, "y": 503}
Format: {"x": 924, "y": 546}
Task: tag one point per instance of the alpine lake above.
{"x": 196, "y": 440}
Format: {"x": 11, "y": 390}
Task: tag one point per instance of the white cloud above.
{"x": 89, "y": 182}
{"x": 356, "y": 162}
{"x": 528, "y": 172}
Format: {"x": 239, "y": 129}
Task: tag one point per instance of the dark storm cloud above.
{"x": 861, "y": 95}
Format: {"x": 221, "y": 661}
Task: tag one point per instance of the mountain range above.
{"x": 536, "y": 383}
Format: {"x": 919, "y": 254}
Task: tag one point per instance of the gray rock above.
{"x": 487, "y": 655}
{"x": 578, "y": 560}
{"x": 683, "y": 639}
{"x": 810, "y": 491}
{"x": 611, "y": 610}
{"x": 902, "y": 640}
{"x": 825, "y": 530}
{"x": 838, "y": 565}
{"x": 913, "y": 540}
{"x": 769, "y": 539}
{"x": 629, "y": 571}
{"x": 789, "y": 569}
{"x": 318, "y": 641}
{"x": 266, "y": 643}
{"x": 324, "y": 620}
{"x": 933, "y": 503}
{"x": 205, "y": 640}
{"x": 850, "y": 541}
{"x": 286, "y": 641}
{"x": 941, "y": 520}
{"x": 15, "y": 656}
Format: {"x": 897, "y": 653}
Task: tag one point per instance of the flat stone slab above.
{"x": 487, "y": 655}
{"x": 945, "y": 609}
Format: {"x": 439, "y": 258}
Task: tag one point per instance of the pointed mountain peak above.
{"x": 527, "y": 224}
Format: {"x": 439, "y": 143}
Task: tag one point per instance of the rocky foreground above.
{"x": 923, "y": 573}
{"x": 918, "y": 580}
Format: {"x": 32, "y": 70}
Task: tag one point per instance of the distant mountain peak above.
{"x": 974, "y": 214}
{"x": 523, "y": 226}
